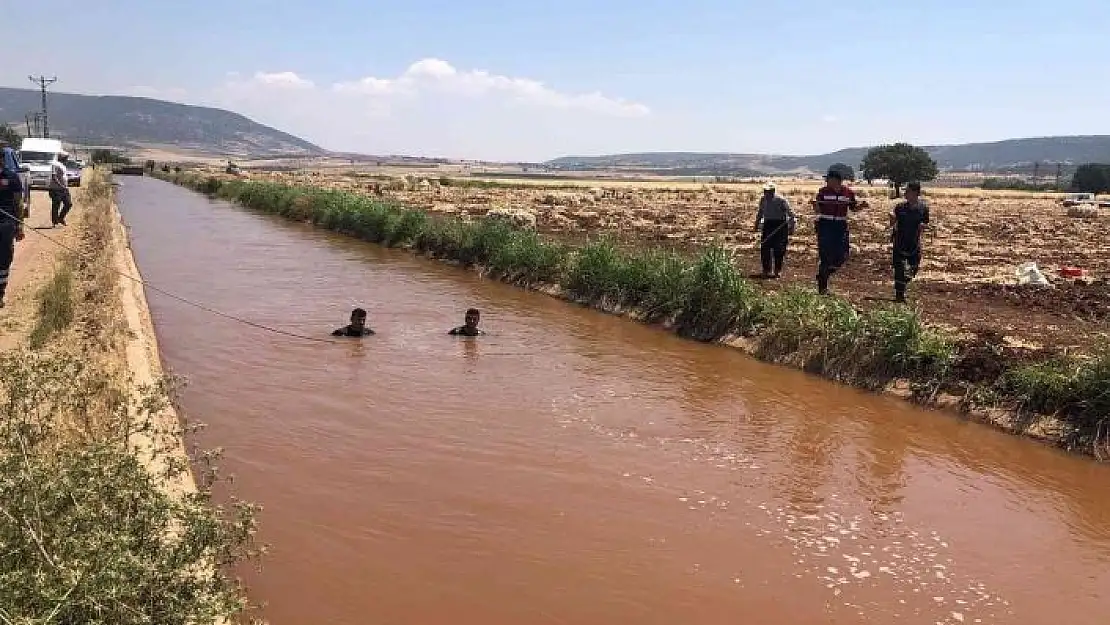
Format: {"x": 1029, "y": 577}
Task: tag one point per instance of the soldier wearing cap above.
{"x": 833, "y": 203}
{"x": 777, "y": 221}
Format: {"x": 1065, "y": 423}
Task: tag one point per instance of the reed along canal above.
{"x": 574, "y": 467}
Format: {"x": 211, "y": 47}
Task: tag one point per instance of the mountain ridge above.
{"x": 131, "y": 121}
{"x": 1007, "y": 154}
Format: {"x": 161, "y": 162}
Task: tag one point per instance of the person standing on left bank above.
{"x": 60, "y": 200}
{"x": 11, "y": 226}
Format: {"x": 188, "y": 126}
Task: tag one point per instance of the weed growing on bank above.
{"x": 1069, "y": 385}
{"x": 55, "y": 312}
{"x": 89, "y": 533}
{"x": 704, "y": 297}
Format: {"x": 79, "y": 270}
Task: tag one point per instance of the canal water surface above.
{"x": 573, "y": 467}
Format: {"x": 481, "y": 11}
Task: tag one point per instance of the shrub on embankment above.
{"x": 89, "y": 533}
{"x": 97, "y": 524}
{"x": 705, "y": 298}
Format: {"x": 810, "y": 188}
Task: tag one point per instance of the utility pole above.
{"x": 43, "y": 82}
{"x": 1059, "y": 172}
{"x": 34, "y": 123}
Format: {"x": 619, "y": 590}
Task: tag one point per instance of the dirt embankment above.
{"x": 109, "y": 325}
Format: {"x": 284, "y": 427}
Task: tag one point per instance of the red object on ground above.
{"x": 1071, "y": 272}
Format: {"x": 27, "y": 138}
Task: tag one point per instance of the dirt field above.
{"x": 967, "y": 281}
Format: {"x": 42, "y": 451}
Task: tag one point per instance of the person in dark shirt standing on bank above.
{"x": 60, "y": 200}
{"x": 777, "y": 221}
{"x": 357, "y": 327}
{"x": 908, "y": 221}
{"x": 11, "y": 226}
{"x": 833, "y": 202}
{"x": 470, "y": 326}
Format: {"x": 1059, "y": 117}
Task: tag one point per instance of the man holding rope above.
{"x": 777, "y": 220}
{"x": 11, "y": 228}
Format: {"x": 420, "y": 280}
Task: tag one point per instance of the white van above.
{"x": 38, "y": 154}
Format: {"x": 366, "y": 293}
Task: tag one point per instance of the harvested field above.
{"x": 967, "y": 281}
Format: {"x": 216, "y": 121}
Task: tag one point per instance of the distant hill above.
{"x": 126, "y": 121}
{"x": 1013, "y": 154}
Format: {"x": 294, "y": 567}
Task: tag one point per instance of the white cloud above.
{"x": 436, "y": 75}
{"x": 829, "y": 118}
{"x": 429, "y": 108}
{"x": 283, "y": 79}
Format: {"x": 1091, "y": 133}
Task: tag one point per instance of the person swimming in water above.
{"x": 470, "y": 328}
{"x": 357, "y": 327}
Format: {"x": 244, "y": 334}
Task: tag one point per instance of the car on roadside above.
{"x": 1076, "y": 199}
{"x": 38, "y": 154}
{"x": 73, "y": 174}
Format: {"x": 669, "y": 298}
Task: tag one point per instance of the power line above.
{"x": 43, "y": 82}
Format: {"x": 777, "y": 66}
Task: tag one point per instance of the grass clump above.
{"x": 719, "y": 300}
{"x": 56, "y": 306}
{"x": 1068, "y": 386}
{"x": 88, "y": 532}
{"x": 529, "y": 259}
{"x": 597, "y": 272}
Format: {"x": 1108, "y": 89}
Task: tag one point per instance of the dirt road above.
{"x": 36, "y": 259}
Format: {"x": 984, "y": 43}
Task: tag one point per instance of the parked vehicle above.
{"x": 73, "y": 174}
{"x": 38, "y": 154}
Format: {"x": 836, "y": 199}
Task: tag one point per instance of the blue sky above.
{"x": 531, "y": 80}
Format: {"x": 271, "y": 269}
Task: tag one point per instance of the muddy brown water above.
{"x": 574, "y": 467}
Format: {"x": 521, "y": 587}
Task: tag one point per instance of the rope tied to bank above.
{"x": 161, "y": 291}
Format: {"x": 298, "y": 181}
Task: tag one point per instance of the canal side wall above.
{"x": 887, "y": 349}
{"x": 141, "y": 350}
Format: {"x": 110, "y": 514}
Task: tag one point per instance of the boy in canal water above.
{"x": 470, "y": 325}
{"x": 357, "y": 327}
{"x": 907, "y": 221}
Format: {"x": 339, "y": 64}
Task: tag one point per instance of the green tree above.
{"x": 8, "y": 134}
{"x": 1091, "y": 178}
{"x": 846, "y": 171}
{"x": 899, "y": 163}
{"x": 101, "y": 156}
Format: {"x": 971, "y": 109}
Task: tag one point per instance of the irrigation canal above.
{"x": 573, "y": 467}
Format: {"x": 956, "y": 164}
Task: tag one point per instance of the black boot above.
{"x": 822, "y": 282}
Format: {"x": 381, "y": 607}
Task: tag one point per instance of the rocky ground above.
{"x": 977, "y": 241}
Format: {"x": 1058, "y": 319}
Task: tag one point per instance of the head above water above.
{"x": 358, "y": 317}
{"x": 473, "y": 316}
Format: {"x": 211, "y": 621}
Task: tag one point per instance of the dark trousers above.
{"x": 59, "y": 198}
{"x": 832, "y": 249}
{"x": 906, "y": 264}
{"x": 772, "y": 247}
{"x": 7, "y": 252}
